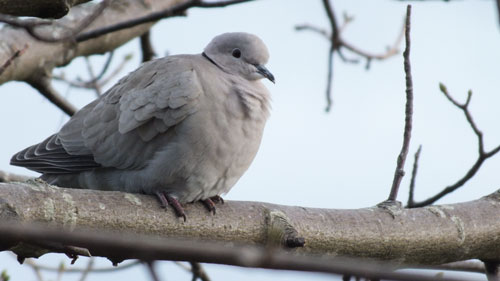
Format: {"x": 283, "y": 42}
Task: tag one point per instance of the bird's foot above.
{"x": 210, "y": 203}
{"x": 166, "y": 200}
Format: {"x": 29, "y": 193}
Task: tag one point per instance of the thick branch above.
{"x": 430, "y": 235}
{"x": 149, "y": 249}
{"x": 42, "y": 57}
{"x": 38, "y": 8}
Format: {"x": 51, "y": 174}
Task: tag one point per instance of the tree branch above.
{"x": 148, "y": 52}
{"x": 433, "y": 235}
{"x": 174, "y": 10}
{"x": 399, "y": 172}
{"x": 149, "y": 248}
{"x": 414, "y": 176}
{"x": 38, "y": 8}
{"x": 42, "y": 57}
{"x": 337, "y": 43}
{"x": 492, "y": 268}
{"x": 482, "y": 154}
{"x": 43, "y": 85}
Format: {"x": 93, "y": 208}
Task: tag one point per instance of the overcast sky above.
{"x": 343, "y": 159}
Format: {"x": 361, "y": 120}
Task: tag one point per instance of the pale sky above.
{"x": 343, "y": 159}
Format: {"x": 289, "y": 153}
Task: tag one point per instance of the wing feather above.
{"x": 126, "y": 126}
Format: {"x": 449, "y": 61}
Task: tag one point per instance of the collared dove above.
{"x": 184, "y": 128}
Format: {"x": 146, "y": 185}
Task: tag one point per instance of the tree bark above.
{"x": 40, "y": 57}
{"x": 429, "y": 235}
{"x": 38, "y": 8}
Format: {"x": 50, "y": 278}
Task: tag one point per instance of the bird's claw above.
{"x": 166, "y": 200}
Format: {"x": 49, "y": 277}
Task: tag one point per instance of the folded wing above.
{"x": 126, "y": 126}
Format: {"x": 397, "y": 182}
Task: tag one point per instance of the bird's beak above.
{"x": 264, "y": 72}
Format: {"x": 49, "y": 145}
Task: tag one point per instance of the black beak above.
{"x": 264, "y": 72}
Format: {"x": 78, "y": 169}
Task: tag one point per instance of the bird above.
{"x": 183, "y": 128}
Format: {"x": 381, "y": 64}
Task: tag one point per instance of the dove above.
{"x": 183, "y": 128}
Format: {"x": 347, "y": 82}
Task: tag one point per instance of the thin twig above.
{"x": 329, "y": 79}
{"x": 15, "y": 55}
{"x": 43, "y": 85}
{"x": 399, "y": 173}
{"x": 198, "y": 272}
{"x": 89, "y": 268}
{"x": 148, "y": 52}
{"x": 152, "y": 271}
{"x": 155, "y": 16}
{"x": 320, "y": 31}
{"x": 93, "y": 79}
{"x": 80, "y": 270}
{"x": 337, "y": 43}
{"x": 334, "y": 45}
{"x": 492, "y": 269}
{"x": 498, "y": 9}
{"x": 414, "y": 174}
{"x": 101, "y": 82}
{"x": 105, "y": 67}
{"x": 482, "y": 154}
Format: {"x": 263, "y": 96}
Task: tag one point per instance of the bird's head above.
{"x": 240, "y": 54}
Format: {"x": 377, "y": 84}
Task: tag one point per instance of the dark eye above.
{"x": 236, "y": 53}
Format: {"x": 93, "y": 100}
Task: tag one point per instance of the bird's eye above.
{"x": 236, "y": 53}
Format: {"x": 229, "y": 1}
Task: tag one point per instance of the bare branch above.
{"x": 399, "y": 173}
{"x": 43, "y": 85}
{"x": 498, "y": 9}
{"x": 99, "y": 81}
{"x": 89, "y": 268}
{"x": 482, "y": 154}
{"x": 149, "y": 248}
{"x": 320, "y": 31}
{"x": 31, "y": 25}
{"x": 333, "y": 22}
{"x": 198, "y": 272}
{"x": 38, "y": 8}
{"x": 337, "y": 43}
{"x": 414, "y": 175}
{"x": 150, "y": 265}
{"x": 367, "y": 232}
{"x": 148, "y": 52}
{"x": 81, "y": 270}
{"x": 93, "y": 84}
{"x": 329, "y": 80}
{"x": 152, "y": 17}
{"x": 492, "y": 270}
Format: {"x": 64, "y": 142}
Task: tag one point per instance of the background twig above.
{"x": 399, "y": 173}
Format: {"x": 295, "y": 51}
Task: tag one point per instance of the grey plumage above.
{"x": 186, "y": 125}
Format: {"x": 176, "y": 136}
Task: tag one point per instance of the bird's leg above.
{"x": 209, "y": 204}
{"x": 176, "y": 205}
{"x": 162, "y": 198}
{"x": 166, "y": 200}
{"x": 216, "y": 199}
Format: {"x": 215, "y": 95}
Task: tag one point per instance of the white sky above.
{"x": 344, "y": 159}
